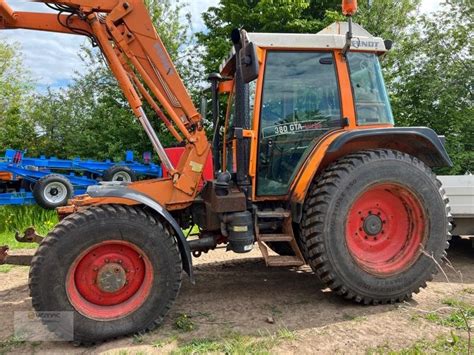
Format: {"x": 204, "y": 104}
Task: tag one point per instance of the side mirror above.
{"x": 249, "y": 62}
{"x": 388, "y": 44}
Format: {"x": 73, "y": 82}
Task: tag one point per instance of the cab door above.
{"x": 300, "y": 103}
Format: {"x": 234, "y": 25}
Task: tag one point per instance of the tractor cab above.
{"x": 298, "y": 95}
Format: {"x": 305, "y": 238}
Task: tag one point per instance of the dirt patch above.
{"x": 239, "y": 295}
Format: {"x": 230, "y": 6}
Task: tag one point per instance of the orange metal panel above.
{"x": 256, "y": 122}
{"x": 307, "y": 171}
{"x": 4, "y": 176}
{"x": 44, "y": 22}
{"x": 98, "y": 5}
{"x": 226, "y": 86}
{"x": 345, "y": 88}
{"x": 226, "y": 127}
{"x": 6, "y": 11}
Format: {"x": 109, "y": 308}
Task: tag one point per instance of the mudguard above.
{"x": 421, "y": 142}
{"x": 120, "y": 190}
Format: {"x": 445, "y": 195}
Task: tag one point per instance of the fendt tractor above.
{"x": 307, "y": 165}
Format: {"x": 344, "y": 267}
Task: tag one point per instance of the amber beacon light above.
{"x": 349, "y": 7}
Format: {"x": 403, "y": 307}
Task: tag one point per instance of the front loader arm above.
{"x": 39, "y": 21}
{"x": 143, "y": 68}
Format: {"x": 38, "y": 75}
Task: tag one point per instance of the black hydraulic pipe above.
{"x": 241, "y": 121}
{"x": 214, "y": 78}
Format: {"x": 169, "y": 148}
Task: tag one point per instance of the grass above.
{"x": 468, "y": 290}
{"x": 184, "y": 323}
{"x": 458, "y": 317}
{"x": 442, "y": 345}
{"x": 5, "y": 269}
{"x": 11, "y": 343}
{"x": 236, "y": 343}
{"x": 18, "y": 218}
{"x": 138, "y": 339}
{"x": 159, "y": 343}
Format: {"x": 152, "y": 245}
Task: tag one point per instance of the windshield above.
{"x": 371, "y": 99}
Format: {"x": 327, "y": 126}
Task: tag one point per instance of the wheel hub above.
{"x": 111, "y": 278}
{"x": 372, "y": 225}
{"x": 385, "y": 229}
{"x": 55, "y": 192}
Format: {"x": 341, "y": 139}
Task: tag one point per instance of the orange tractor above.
{"x": 307, "y": 163}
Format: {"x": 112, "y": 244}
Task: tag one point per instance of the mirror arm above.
{"x": 349, "y": 37}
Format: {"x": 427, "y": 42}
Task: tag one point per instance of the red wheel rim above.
{"x": 109, "y": 280}
{"x": 385, "y": 229}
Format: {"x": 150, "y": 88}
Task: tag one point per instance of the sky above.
{"x": 52, "y": 59}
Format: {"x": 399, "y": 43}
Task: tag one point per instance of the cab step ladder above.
{"x": 286, "y": 236}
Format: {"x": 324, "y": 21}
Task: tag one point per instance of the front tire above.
{"x": 116, "y": 268}
{"x": 372, "y": 224}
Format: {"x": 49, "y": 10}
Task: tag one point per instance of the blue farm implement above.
{"x": 50, "y": 182}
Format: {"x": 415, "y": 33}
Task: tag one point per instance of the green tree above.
{"x": 16, "y": 130}
{"x": 91, "y": 117}
{"x": 259, "y": 16}
{"x": 433, "y": 85}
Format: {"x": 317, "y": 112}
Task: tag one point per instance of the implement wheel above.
{"x": 120, "y": 173}
{"x": 116, "y": 268}
{"x": 373, "y": 223}
{"x": 53, "y": 191}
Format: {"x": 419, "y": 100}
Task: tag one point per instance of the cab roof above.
{"x": 332, "y": 37}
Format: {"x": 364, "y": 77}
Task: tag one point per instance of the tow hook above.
{"x": 29, "y": 236}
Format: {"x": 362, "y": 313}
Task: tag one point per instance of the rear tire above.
{"x": 369, "y": 223}
{"x": 52, "y": 191}
{"x": 116, "y": 268}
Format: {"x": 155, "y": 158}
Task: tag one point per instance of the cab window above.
{"x": 371, "y": 99}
